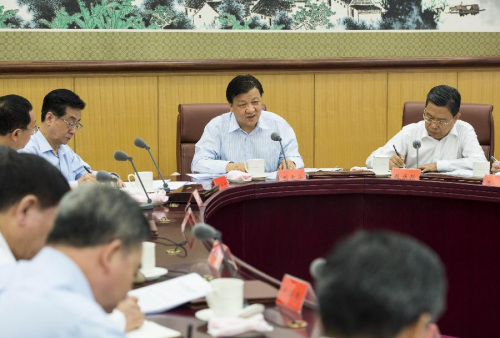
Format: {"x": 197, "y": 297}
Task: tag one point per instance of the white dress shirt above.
{"x": 67, "y": 161}
{"x": 6, "y": 255}
{"x": 223, "y": 141}
{"x": 457, "y": 150}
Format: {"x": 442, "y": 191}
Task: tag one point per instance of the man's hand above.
{"x": 291, "y": 165}
{"x": 87, "y": 178}
{"x": 495, "y": 167}
{"x": 429, "y": 167}
{"x": 396, "y": 162}
{"x": 235, "y": 166}
{"x": 133, "y": 315}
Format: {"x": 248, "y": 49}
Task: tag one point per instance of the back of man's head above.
{"x": 28, "y": 174}
{"x": 14, "y": 113}
{"x": 445, "y": 96}
{"x": 376, "y": 284}
{"x": 94, "y": 215}
{"x": 57, "y": 100}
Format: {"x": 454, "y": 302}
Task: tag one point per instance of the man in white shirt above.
{"x": 30, "y": 191}
{"x": 86, "y": 269}
{"x": 61, "y": 116}
{"x": 380, "y": 284}
{"x": 447, "y": 144}
{"x": 244, "y": 133}
{"x": 17, "y": 122}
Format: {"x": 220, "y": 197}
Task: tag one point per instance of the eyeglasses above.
{"x": 72, "y": 125}
{"x": 430, "y": 119}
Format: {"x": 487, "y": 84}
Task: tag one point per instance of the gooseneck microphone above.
{"x": 122, "y": 156}
{"x": 417, "y": 145}
{"x": 203, "y": 232}
{"x": 139, "y": 142}
{"x": 276, "y": 137}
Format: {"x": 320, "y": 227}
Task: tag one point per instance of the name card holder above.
{"x": 405, "y": 174}
{"x": 197, "y": 198}
{"x": 221, "y": 182}
{"x": 216, "y": 257}
{"x": 291, "y": 175}
{"x": 293, "y": 292}
{"x": 491, "y": 180}
{"x": 188, "y": 217}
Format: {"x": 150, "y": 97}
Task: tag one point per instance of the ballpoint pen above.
{"x": 87, "y": 169}
{"x": 397, "y": 153}
{"x": 493, "y": 159}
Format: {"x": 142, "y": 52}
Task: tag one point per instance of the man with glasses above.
{"x": 447, "y": 144}
{"x": 17, "y": 122}
{"x": 61, "y": 115}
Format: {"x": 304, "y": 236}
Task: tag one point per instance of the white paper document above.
{"x": 153, "y": 330}
{"x": 171, "y": 293}
{"x": 315, "y": 170}
{"x": 158, "y": 184}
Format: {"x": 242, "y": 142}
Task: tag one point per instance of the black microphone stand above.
{"x": 149, "y": 204}
{"x": 165, "y": 184}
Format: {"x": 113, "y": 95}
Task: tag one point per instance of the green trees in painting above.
{"x": 9, "y": 18}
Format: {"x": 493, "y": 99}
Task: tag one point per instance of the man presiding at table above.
{"x": 244, "y": 133}
{"x": 447, "y": 143}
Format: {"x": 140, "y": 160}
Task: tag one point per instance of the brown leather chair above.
{"x": 191, "y": 123}
{"x": 480, "y": 116}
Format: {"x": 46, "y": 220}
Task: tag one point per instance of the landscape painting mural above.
{"x": 256, "y": 15}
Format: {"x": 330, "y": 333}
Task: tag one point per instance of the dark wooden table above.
{"x": 280, "y": 227}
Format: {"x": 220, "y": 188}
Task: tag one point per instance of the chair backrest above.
{"x": 480, "y": 116}
{"x": 191, "y": 123}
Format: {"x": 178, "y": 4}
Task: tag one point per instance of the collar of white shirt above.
{"x": 425, "y": 133}
{"x": 233, "y": 124}
{"x": 6, "y": 255}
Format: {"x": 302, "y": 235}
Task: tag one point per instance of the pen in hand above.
{"x": 397, "y": 153}
{"x": 493, "y": 159}
{"x": 87, "y": 169}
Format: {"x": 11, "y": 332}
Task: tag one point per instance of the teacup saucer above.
{"x": 207, "y": 314}
{"x": 155, "y": 273}
{"x": 259, "y": 177}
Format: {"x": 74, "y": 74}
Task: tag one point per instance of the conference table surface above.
{"x": 280, "y": 227}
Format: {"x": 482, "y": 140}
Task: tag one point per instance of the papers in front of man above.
{"x": 171, "y": 293}
{"x": 315, "y": 170}
{"x": 153, "y": 330}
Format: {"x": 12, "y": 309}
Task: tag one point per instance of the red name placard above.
{"x": 221, "y": 182}
{"x": 292, "y": 293}
{"x": 405, "y": 174}
{"x": 216, "y": 256}
{"x": 291, "y": 175}
{"x": 491, "y": 180}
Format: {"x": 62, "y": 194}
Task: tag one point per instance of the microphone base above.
{"x": 146, "y": 206}
{"x": 167, "y": 189}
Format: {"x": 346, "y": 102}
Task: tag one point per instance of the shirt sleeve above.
{"x": 291, "y": 147}
{"x": 398, "y": 142}
{"x": 77, "y": 166}
{"x": 207, "y": 156}
{"x": 118, "y": 318}
{"x": 471, "y": 152}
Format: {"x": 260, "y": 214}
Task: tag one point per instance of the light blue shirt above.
{"x": 49, "y": 296}
{"x": 223, "y": 141}
{"x": 67, "y": 161}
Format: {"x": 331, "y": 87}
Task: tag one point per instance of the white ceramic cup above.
{"x": 479, "y": 169}
{"x": 146, "y": 178}
{"x": 380, "y": 165}
{"x": 255, "y": 167}
{"x": 225, "y": 299}
{"x": 148, "y": 258}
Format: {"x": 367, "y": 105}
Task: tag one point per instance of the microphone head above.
{"x": 103, "y": 176}
{"x": 139, "y": 142}
{"x": 417, "y": 144}
{"x": 316, "y": 267}
{"x": 120, "y": 155}
{"x": 275, "y": 136}
{"x": 203, "y": 231}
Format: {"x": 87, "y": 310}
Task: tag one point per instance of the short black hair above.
{"x": 14, "y": 113}
{"x": 377, "y": 283}
{"x": 242, "y": 84}
{"x": 58, "y": 100}
{"x": 96, "y": 214}
{"x": 445, "y": 96}
{"x": 27, "y": 174}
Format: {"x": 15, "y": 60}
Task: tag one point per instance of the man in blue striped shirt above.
{"x": 244, "y": 133}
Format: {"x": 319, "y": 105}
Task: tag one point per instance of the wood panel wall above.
{"x": 339, "y": 116}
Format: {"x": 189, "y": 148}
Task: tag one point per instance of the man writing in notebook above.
{"x": 447, "y": 143}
